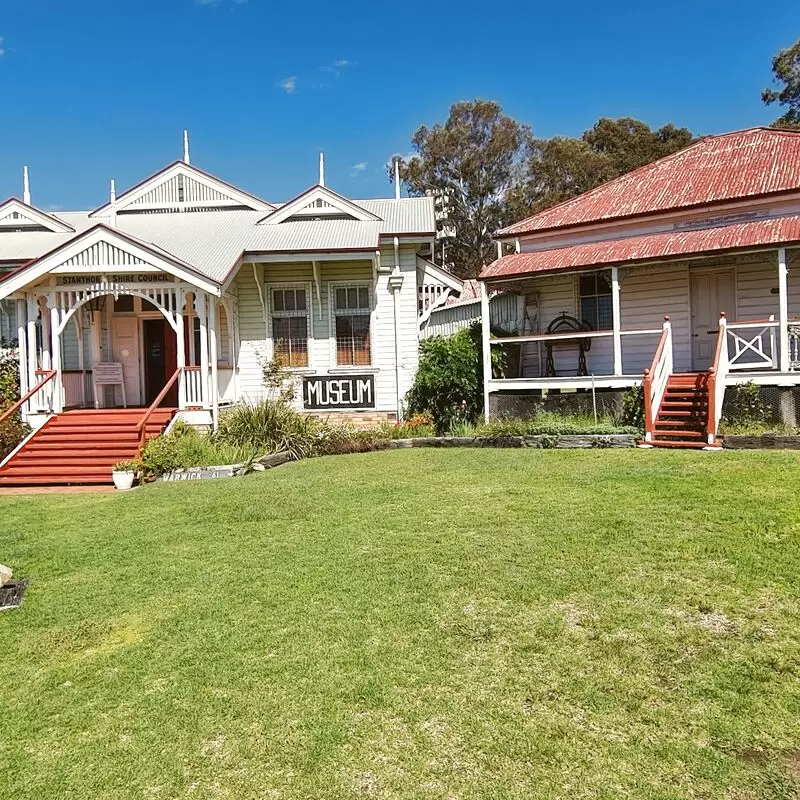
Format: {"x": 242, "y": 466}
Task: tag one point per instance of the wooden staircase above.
{"x": 683, "y": 416}
{"x": 80, "y": 447}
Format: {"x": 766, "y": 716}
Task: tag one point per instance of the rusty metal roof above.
{"x": 742, "y": 164}
{"x": 650, "y": 247}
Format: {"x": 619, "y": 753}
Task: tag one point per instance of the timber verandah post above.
{"x": 616, "y": 324}
{"x": 486, "y": 347}
{"x": 783, "y": 308}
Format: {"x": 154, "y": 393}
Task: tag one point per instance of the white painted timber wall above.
{"x": 255, "y": 330}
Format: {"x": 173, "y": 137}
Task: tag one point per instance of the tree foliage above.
{"x": 492, "y": 172}
{"x": 786, "y": 72}
{"x": 561, "y": 168}
{"x": 471, "y": 162}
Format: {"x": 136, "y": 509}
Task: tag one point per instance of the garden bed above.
{"x": 541, "y": 441}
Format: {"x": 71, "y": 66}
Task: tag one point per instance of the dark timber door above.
{"x": 160, "y": 360}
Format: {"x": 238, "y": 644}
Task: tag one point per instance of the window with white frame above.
{"x": 352, "y": 310}
{"x": 290, "y": 317}
{"x": 595, "y": 300}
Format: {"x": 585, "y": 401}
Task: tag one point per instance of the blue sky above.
{"x": 95, "y": 89}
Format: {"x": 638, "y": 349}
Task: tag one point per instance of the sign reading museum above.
{"x": 352, "y": 391}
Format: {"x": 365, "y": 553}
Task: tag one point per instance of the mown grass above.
{"x": 420, "y": 623}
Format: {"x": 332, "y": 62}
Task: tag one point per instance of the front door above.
{"x": 712, "y": 292}
{"x": 125, "y": 339}
{"x": 160, "y": 360}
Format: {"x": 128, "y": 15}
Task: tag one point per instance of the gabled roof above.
{"x": 732, "y": 166}
{"x": 318, "y": 203}
{"x": 772, "y": 232}
{"x": 105, "y": 250}
{"x": 182, "y": 187}
{"x": 18, "y": 216}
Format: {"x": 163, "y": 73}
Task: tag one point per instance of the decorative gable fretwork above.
{"x": 182, "y": 188}
{"x": 16, "y": 217}
{"x": 319, "y": 203}
{"x": 101, "y": 255}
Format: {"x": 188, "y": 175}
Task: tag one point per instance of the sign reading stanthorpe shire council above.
{"x": 351, "y": 391}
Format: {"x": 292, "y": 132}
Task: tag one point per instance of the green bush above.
{"x": 13, "y": 430}
{"x": 270, "y": 426}
{"x": 184, "y": 447}
{"x": 744, "y": 407}
{"x": 633, "y": 407}
{"x": 449, "y": 380}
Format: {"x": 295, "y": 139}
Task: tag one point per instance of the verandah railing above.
{"x": 717, "y": 377}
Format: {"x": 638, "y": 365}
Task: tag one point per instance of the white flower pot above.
{"x": 123, "y": 480}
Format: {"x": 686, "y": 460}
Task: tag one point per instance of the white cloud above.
{"x": 289, "y": 85}
{"x": 2, "y": 49}
{"x": 358, "y": 168}
{"x": 337, "y": 66}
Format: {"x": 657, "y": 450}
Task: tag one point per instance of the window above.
{"x": 595, "y": 300}
{"x": 351, "y": 310}
{"x": 290, "y": 326}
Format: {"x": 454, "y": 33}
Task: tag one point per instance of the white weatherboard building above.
{"x": 178, "y": 289}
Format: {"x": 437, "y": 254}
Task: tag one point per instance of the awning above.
{"x": 649, "y": 247}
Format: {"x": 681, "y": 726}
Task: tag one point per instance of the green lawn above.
{"x": 412, "y": 624}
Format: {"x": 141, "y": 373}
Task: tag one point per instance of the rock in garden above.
{"x": 5, "y": 574}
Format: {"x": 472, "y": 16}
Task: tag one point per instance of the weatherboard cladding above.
{"x": 749, "y": 163}
{"x": 670, "y": 244}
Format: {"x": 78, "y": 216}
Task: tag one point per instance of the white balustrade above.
{"x": 754, "y": 344}
{"x": 193, "y": 386}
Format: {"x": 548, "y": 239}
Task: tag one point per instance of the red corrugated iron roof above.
{"x": 654, "y": 246}
{"x": 749, "y": 163}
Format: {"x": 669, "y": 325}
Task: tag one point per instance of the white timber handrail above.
{"x": 717, "y": 376}
{"x": 655, "y": 379}
{"x": 755, "y": 347}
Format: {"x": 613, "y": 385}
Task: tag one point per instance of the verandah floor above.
{"x": 470, "y": 623}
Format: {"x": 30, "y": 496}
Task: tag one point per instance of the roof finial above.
{"x": 113, "y": 192}
{"x": 322, "y": 169}
{"x": 186, "y": 147}
{"x": 26, "y": 186}
{"x": 112, "y": 211}
{"x": 397, "y": 179}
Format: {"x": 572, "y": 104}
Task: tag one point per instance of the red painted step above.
{"x": 80, "y": 447}
{"x": 682, "y": 419}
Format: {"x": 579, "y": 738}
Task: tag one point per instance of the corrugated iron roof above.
{"x": 655, "y": 246}
{"x": 212, "y": 241}
{"x": 749, "y": 163}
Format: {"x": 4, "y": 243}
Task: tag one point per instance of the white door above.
{"x": 125, "y": 347}
{"x": 712, "y": 292}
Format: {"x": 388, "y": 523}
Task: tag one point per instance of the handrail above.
{"x": 16, "y": 407}
{"x": 655, "y": 379}
{"x": 141, "y": 426}
{"x": 717, "y": 375}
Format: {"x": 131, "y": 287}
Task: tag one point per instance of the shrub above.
{"x": 270, "y": 426}
{"x": 633, "y": 407}
{"x": 416, "y": 425}
{"x": 13, "y": 430}
{"x": 449, "y": 380}
{"x": 744, "y": 406}
{"x": 341, "y": 439}
{"x": 184, "y": 447}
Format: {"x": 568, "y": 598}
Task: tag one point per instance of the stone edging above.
{"x": 764, "y": 441}
{"x": 542, "y": 442}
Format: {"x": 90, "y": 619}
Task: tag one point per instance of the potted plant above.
{"x": 123, "y": 474}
